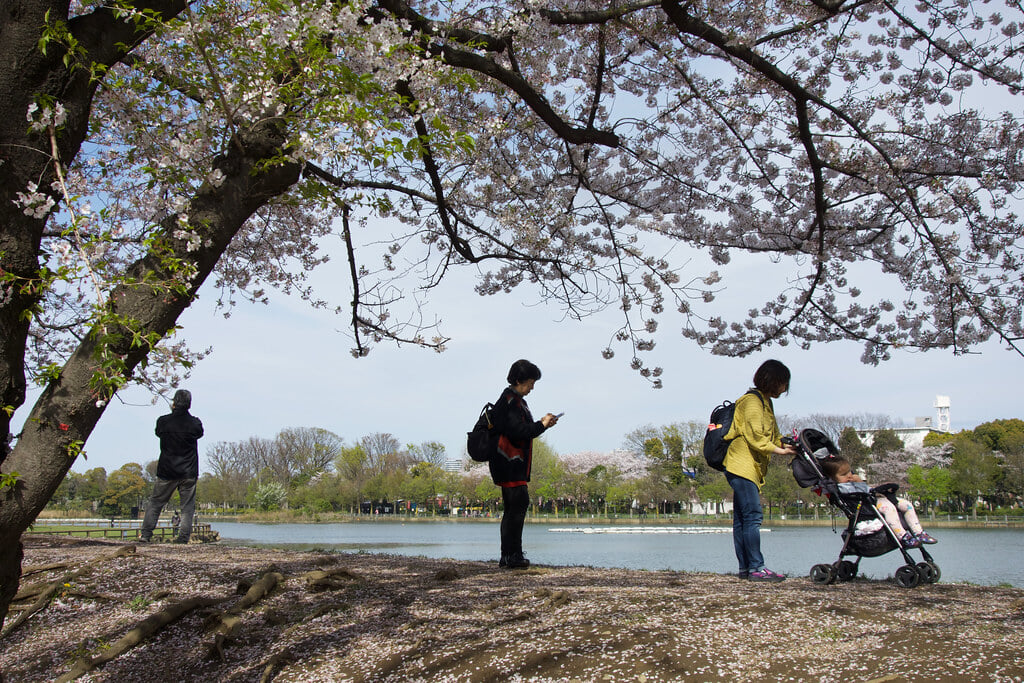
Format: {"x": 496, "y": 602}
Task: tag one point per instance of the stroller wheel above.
{"x": 847, "y": 570}
{"x": 907, "y": 576}
{"x": 823, "y": 574}
{"x": 929, "y": 572}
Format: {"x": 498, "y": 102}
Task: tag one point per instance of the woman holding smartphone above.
{"x": 510, "y": 466}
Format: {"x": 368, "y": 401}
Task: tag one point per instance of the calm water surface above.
{"x": 981, "y": 556}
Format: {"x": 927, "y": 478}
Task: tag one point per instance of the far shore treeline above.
{"x": 657, "y": 469}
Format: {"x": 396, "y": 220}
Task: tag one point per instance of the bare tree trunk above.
{"x": 10, "y": 575}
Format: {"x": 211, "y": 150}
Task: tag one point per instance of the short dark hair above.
{"x": 772, "y": 377}
{"x": 831, "y": 466}
{"x": 521, "y": 371}
{"x": 182, "y": 399}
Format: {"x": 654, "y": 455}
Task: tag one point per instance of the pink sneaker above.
{"x": 765, "y": 574}
{"x": 925, "y": 538}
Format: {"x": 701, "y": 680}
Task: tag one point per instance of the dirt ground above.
{"x": 212, "y": 613}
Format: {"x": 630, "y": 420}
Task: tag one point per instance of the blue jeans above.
{"x": 746, "y": 522}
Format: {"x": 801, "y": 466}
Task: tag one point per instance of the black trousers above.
{"x": 516, "y": 500}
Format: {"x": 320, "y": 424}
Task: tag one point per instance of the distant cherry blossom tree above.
{"x": 604, "y": 155}
{"x": 625, "y": 463}
{"x": 892, "y": 466}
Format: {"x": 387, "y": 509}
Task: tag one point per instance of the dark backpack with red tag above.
{"x": 482, "y": 442}
{"x": 715, "y": 443}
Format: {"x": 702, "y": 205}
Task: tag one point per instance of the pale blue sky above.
{"x": 285, "y": 365}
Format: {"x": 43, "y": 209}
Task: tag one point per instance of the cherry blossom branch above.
{"x": 350, "y": 251}
{"x": 714, "y": 107}
{"x": 508, "y": 251}
{"x": 982, "y": 70}
{"x": 458, "y": 243}
{"x": 514, "y": 81}
{"x": 690, "y": 25}
{"x": 830, "y": 8}
{"x": 602, "y": 16}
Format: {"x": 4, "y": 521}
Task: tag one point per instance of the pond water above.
{"x": 981, "y": 556}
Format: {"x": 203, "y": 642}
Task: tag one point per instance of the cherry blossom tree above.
{"x": 612, "y": 155}
{"x": 625, "y": 463}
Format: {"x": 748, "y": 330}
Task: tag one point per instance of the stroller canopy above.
{"x": 814, "y": 447}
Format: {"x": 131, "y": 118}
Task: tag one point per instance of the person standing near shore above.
{"x": 178, "y": 467}
{"x": 510, "y": 465}
{"x": 755, "y": 437}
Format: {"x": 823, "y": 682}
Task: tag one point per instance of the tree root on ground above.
{"x": 229, "y": 621}
{"x": 146, "y": 628}
{"x": 326, "y": 609}
{"x": 224, "y": 623}
{"x": 274, "y": 665}
{"x": 43, "y": 568}
{"x": 330, "y": 579}
{"x": 43, "y": 593}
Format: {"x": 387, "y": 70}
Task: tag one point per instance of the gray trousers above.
{"x": 163, "y": 489}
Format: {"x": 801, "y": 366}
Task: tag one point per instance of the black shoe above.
{"x": 514, "y": 561}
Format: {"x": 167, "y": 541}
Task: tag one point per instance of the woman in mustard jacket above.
{"x": 754, "y": 438}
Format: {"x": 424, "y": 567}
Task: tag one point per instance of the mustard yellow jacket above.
{"x": 755, "y": 434}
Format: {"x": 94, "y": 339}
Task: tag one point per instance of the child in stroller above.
{"x": 838, "y": 470}
{"x": 867, "y": 534}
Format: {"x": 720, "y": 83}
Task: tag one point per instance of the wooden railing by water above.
{"x": 123, "y": 529}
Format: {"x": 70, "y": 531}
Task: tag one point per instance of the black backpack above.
{"x": 482, "y": 442}
{"x": 715, "y": 444}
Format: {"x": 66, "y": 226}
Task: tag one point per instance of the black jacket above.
{"x": 514, "y": 459}
{"x": 179, "y": 434}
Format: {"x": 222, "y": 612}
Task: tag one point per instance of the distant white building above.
{"x": 910, "y": 436}
{"x": 914, "y": 436}
{"x": 942, "y": 413}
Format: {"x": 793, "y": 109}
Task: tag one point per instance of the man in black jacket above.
{"x": 178, "y": 467}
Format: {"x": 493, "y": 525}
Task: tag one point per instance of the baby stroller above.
{"x": 866, "y": 534}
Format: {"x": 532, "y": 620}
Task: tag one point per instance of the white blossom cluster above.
{"x": 36, "y": 204}
{"x": 46, "y": 117}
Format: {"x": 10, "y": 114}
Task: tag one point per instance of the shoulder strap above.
{"x": 485, "y": 414}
